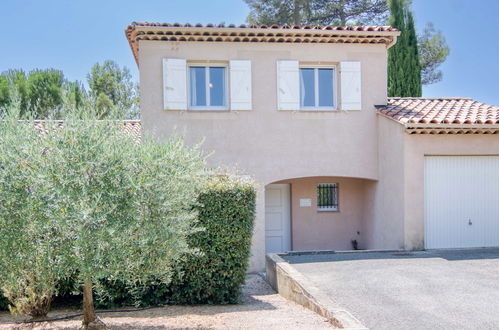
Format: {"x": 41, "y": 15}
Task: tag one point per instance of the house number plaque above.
{"x": 305, "y": 202}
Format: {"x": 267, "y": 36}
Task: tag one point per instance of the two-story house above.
{"x": 304, "y": 110}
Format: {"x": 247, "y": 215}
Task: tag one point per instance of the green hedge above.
{"x": 215, "y": 275}
{"x": 226, "y": 212}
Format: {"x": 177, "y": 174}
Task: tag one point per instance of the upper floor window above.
{"x": 207, "y": 87}
{"x": 317, "y": 86}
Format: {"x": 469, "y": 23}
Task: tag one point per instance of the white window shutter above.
{"x": 351, "y": 94}
{"x": 175, "y": 84}
{"x": 240, "y": 85}
{"x": 288, "y": 85}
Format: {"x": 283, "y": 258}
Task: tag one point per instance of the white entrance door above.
{"x": 461, "y": 201}
{"x": 277, "y": 218}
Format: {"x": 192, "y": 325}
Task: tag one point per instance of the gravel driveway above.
{"x": 261, "y": 308}
{"x": 453, "y": 289}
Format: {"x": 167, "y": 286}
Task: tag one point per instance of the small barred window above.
{"x": 327, "y": 197}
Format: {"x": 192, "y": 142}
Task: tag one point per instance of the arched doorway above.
{"x": 318, "y": 213}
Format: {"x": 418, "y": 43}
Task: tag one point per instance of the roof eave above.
{"x": 419, "y": 128}
{"x": 265, "y": 30}
{"x": 449, "y": 126}
{"x": 133, "y": 31}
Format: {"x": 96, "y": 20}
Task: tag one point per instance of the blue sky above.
{"x": 72, "y": 35}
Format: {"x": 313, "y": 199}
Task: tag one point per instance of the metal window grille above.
{"x": 327, "y": 196}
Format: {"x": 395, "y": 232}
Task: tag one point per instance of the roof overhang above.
{"x": 439, "y": 129}
{"x": 279, "y": 34}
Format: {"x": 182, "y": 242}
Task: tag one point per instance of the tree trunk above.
{"x": 90, "y": 320}
{"x": 88, "y": 303}
{"x": 296, "y": 12}
{"x": 342, "y": 13}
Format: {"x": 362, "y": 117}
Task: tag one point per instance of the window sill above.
{"x": 215, "y": 109}
{"x": 318, "y": 109}
{"x": 328, "y": 210}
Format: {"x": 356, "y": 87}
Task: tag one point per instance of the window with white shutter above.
{"x": 240, "y": 85}
{"x": 288, "y": 85}
{"x": 318, "y": 88}
{"x": 207, "y": 86}
{"x": 351, "y": 96}
{"x": 174, "y": 84}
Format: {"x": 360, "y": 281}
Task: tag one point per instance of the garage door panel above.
{"x": 461, "y": 201}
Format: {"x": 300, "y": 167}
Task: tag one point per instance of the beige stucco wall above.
{"x": 269, "y": 144}
{"x": 272, "y": 145}
{"x": 323, "y": 230}
{"x": 385, "y": 206}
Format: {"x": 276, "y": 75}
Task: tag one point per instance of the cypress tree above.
{"x": 415, "y": 66}
{"x": 404, "y": 69}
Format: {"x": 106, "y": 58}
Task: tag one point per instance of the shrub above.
{"x": 227, "y": 212}
{"x": 215, "y": 275}
{"x": 29, "y": 296}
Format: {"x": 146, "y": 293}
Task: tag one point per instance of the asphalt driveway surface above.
{"x": 445, "y": 289}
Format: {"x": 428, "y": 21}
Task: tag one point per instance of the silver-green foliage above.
{"x": 86, "y": 198}
{"x": 29, "y": 243}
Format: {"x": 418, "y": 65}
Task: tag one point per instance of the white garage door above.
{"x": 461, "y": 201}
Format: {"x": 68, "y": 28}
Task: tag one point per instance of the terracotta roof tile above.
{"x": 177, "y": 32}
{"x": 459, "y": 111}
{"x": 275, "y": 26}
{"x": 132, "y": 127}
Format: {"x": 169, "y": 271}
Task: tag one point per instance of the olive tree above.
{"x": 29, "y": 240}
{"x": 110, "y": 207}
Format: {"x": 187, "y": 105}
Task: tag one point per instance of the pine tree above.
{"x": 404, "y": 69}
{"x": 432, "y": 47}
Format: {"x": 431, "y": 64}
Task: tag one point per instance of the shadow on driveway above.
{"x": 450, "y": 255}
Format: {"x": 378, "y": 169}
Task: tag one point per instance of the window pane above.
{"x": 198, "y": 85}
{"x": 326, "y": 88}
{"x": 217, "y": 86}
{"x": 307, "y": 90}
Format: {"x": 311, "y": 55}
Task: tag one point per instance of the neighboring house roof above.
{"x": 258, "y": 33}
{"x": 132, "y": 127}
{"x": 456, "y": 115}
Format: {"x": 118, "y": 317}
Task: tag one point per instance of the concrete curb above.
{"x": 292, "y": 285}
{"x": 318, "y": 252}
